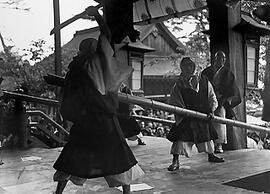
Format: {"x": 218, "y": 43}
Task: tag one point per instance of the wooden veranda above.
{"x": 121, "y": 15}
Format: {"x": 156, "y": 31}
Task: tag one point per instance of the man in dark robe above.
{"x": 227, "y": 92}
{"x": 195, "y": 93}
{"x": 96, "y": 145}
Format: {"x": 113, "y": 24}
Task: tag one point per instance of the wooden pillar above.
{"x": 20, "y": 124}
{"x": 57, "y": 44}
{"x": 57, "y": 38}
{"x": 222, "y": 37}
{"x": 266, "y": 91}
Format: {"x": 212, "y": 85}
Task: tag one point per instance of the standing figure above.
{"x": 227, "y": 93}
{"x": 129, "y": 125}
{"x": 96, "y": 145}
{"x": 194, "y": 93}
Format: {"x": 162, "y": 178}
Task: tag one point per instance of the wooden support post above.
{"x": 57, "y": 38}
{"x": 57, "y": 43}
{"x": 20, "y": 124}
{"x": 266, "y": 91}
{"x": 57, "y": 48}
{"x": 222, "y": 37}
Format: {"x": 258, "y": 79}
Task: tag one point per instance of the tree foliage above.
{"x": 248, "y": 6}
{"x": 18, "y": 71}
{"x": 14, "y": 4}
{"x": 197, "y": 43}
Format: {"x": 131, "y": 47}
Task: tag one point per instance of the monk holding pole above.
{"x": 195, "y": 93}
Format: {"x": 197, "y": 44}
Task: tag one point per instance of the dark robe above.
{"x": 189, "y": 129}
{"x": 96, "y": 146}
{"x": 228, "y": 94}
{"x": 129, "y": 125}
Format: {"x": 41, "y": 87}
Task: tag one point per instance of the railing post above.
{"x": 20, "y": 124}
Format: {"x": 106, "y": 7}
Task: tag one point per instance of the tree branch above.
{"x": 259, "y": 1}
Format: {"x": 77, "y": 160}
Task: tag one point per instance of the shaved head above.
{"x": 88, "y": 46}
{"x": 220, "y": 54}
{"x": 220, "y": 58}
{"x": 187, "y": 66}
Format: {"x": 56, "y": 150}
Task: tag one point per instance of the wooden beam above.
{"x": 28, "y": 98}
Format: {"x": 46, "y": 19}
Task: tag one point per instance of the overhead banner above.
{"x": 151, "y": 11}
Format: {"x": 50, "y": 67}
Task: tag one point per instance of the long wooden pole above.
{"x": 158, "y": 120}
{"x": 185, "y": 112}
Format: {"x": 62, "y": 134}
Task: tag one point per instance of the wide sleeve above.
{"x": 104, "y": 48}
{"x": 234, "y": 100}
{"x": 99, "y": 62}
{"x": 114, "y": 71}
{"x": 212, "y": 99}
{"x": 233, "y": 97}
{"x": 176, "y": 99}
{"x": 227, "y": 83}
{"x": 81, "y": 97}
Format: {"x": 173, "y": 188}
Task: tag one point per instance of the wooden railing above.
{"x": 143, "y": 102}
{"x": 28, "y": 98}
{"x": 59, "y": 139}
{"x": 24, "y": 130}
{"x": 48, "y": 119}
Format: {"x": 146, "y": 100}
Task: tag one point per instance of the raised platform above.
{"x": 196, "y": 175}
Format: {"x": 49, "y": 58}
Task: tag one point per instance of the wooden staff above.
{"x": 73, "y": 19}
{"x": 158, "y": 120}
{"x": 185, "y": 112}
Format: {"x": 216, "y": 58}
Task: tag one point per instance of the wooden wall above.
{"x": 159, "y": 43}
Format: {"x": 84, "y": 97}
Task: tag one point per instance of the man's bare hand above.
{"x": 210, "y": 116}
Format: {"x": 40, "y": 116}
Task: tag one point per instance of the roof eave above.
{"x": 251, "y": 26}
{"x": 139, "y": 47}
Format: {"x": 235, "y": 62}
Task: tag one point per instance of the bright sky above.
{"x": 19, "y": 27}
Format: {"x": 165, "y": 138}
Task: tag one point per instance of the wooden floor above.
{"x": 20, "y": 175}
